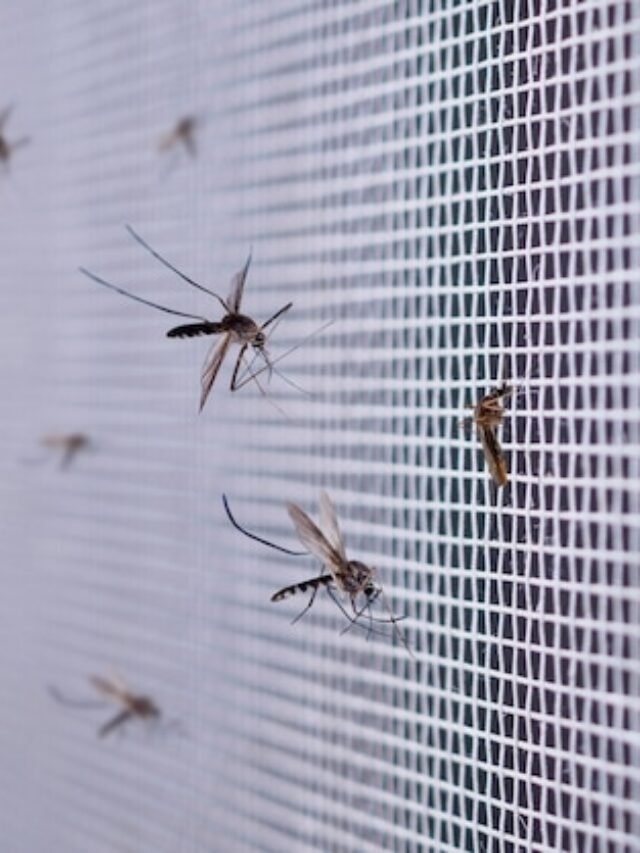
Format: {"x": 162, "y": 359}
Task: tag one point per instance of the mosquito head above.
{"x": 259, "y": 340}
{"x": 371, "y": 591}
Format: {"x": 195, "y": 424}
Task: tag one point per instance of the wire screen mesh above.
{"x": 454, "y": 186}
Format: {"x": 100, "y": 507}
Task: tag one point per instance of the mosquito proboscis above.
{"x": 343, "y": 576}
{"x": 234, "y": 327}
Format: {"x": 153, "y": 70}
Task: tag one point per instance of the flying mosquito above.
{"x": 132, "y": 706}
{"x": 344, "y": 576}
{"x": 183, "y": 133}
{"x": 234, "y": 327}
{"x": 69, "y": 445}
{"x": 487, "y": 416}
{"x": 7, "y": 148}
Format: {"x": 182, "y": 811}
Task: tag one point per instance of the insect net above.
{"x": 455, "y": 186}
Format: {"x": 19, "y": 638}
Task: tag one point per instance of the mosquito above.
{"x": 234, "y": 327}
{"x": 487, "y": 416}
{"x": 182, "y": 134}
{"x": 70, "y": 445}
{"x": 132, "y": 705}
{"x": 7, "y": 148}
{"x": 351, "y": 578}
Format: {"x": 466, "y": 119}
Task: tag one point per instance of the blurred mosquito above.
{"x": 234, "y": 326}
{"x": 132, "y": 705}
{"x": 344, "y": 577}
{"x": 184, "y": 133}
{"x": 69, "y": 445}
{"x": 487, "y": 416}
{"x": 7, "y": 148}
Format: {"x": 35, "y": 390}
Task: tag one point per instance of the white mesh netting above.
{"x": 456, "y": 186}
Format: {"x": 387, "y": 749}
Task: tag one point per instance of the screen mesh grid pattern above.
{"x": 454, "y": 187}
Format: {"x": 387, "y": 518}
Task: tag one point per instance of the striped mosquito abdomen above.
{"x": 192, "y": 330}
{"x": 314, "y": 584}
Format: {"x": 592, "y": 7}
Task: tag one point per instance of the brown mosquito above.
{"x": 7, "y": 148}
{"x": 69, "y": 445}
{"x": 487, "y": 417}
{"x": 184, "y": 133}
{"x": 234, "y": 327}
{"x": 132, "y": 705}
{"x": 350, "y": 578}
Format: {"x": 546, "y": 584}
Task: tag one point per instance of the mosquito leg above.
{"x": 250, "y": 535}
{"x": 170, "y": 266}
{"x": 245, "y": 377}
{"x": 235, "y": 386}
{"x": 353, "y": 622}
{"x": 308, "y": 607}
{"x": 236, "y": 369}
{"x": 148, "y": 302}
{"x": 80, "y": 704}
{"x": 277, "y": 315}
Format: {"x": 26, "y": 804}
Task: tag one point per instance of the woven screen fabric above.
{"x": 448, "y": 192}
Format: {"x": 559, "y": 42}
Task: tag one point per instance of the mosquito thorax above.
{"x": 5, "y": 150}
{"x": 243, "y": 328}
{"x": 357, "y": 577}
{"x": 143, "y": 706}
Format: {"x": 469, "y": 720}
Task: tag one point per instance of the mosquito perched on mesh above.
{"x": 487, "y": 416}
{"x": 234, "y": 327}
{"x": 7, "y": 148}
{"x": 347, "y": 577}
{"x": 132, "y": 705}
{"x": 69, "y": 445}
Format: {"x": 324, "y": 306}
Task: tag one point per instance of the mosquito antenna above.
{"x": 271, "y": 363}
{"x": 253, "y": 536}
{"x": 123, "y": 292}
{"x": 248, "y": 375}
{"x": 291, "y": 382}
{"x": 166, "y": 263}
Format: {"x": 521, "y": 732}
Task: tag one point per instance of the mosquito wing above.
{"x": 211, "y": 367}
{"x": 313, "y": 539}
{"x": 330, "y": 526}
{"x": 494, "y": 455}
{"x": 108, "y": 688}
{"x": 237, "y": 287}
